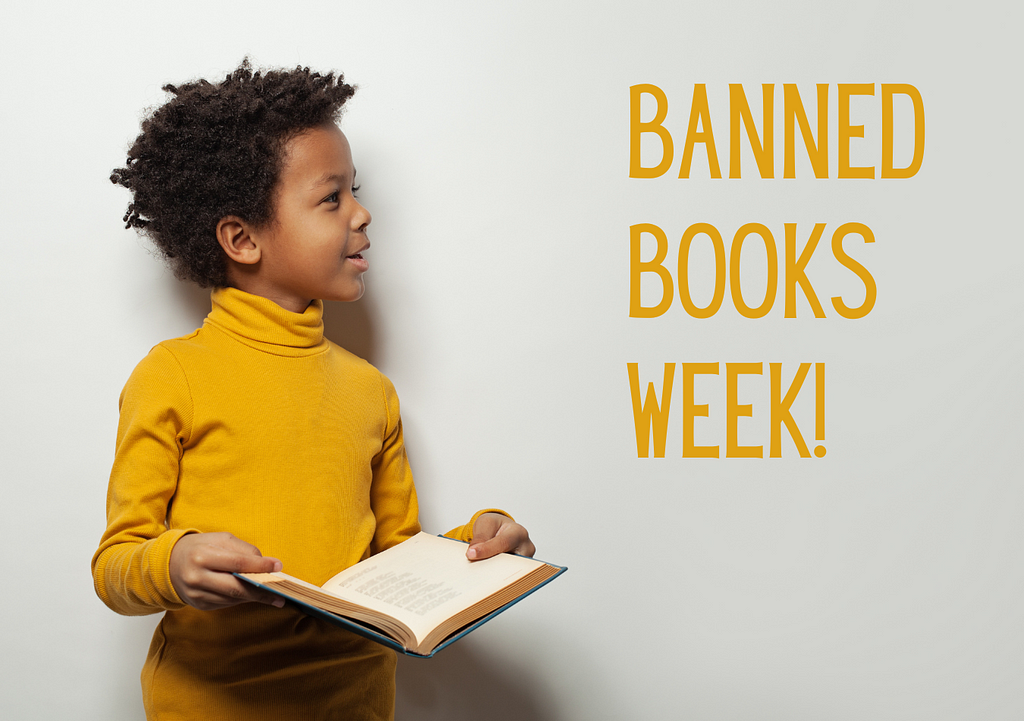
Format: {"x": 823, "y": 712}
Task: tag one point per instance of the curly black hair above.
{"x": 215, "y": 150}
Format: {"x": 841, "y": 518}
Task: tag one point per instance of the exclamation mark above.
{"x": 819, "y": 408}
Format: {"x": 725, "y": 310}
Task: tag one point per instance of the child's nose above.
{"x": 362, "y": 217}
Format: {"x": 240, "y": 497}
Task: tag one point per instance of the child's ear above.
{"x": 235, "y": 238}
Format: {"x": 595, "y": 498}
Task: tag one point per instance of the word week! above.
{"x": 650, "y": 417}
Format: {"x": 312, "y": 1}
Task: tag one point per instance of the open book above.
{"x": 418, "y": 596}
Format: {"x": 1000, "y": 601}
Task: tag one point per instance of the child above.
{"x": 254, "y": 434}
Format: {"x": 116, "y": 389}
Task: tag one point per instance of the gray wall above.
{"x": 492, "y": 140}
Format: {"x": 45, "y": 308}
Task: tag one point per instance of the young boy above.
{"x": 254, "y": 434}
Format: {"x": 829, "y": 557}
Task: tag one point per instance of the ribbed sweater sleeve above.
{"x": 131, "y": 567}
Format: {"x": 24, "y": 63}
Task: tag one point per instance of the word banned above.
{"x": 762, "y": 141}
{"x": 651, "y": 415}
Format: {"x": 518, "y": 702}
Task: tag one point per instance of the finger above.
{"x": 506, "y": 540}
{"x": 215, "y": 558}
{"x": 219, "y": 590}
{"x": 487, "y": 526}
{"x": 526, "y": 549}
{"x": 247, "y": 549}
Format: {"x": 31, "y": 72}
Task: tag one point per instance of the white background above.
{"x": 883, "y": 581}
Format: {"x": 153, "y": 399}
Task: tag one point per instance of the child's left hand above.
{"x": 494, "y": 533}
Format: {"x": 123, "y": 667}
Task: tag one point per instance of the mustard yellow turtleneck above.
{"x": 257, "y": 425}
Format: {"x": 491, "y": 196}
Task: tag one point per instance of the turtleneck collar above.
{"x": 262, "y": 324}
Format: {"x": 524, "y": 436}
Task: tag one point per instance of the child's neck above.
{"x": 253, "y": 284}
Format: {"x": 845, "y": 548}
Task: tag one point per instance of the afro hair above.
{"x": 216, "y": 149}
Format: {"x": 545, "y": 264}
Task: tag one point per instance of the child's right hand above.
{"x": 201, "y": 566}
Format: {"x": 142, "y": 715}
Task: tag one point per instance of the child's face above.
{"x": 312, "y": 247}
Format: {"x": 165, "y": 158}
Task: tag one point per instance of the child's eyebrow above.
{"x": 331, "y": 178}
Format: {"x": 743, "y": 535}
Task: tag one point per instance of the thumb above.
{"x": 501, "y": 543}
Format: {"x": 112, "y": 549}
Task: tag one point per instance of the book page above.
{"x": 426, "y": 580}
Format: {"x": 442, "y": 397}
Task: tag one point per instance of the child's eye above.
{"x": 332, "y": 198}
{"x": 355, "y": 189}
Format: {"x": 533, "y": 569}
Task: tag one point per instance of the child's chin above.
{"x": 350, "y": 295}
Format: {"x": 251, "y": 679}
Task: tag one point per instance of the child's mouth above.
{"x": 359, "y": 261}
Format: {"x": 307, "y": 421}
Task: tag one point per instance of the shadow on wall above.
{"x": 349, "y": 325}
{"x": 195, "y": 301}
{"x": 462, "y": 682}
